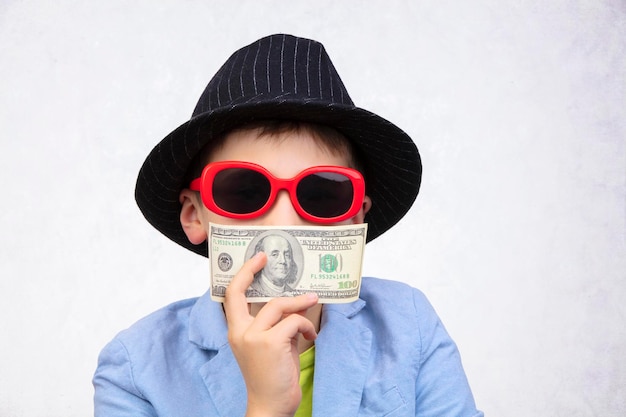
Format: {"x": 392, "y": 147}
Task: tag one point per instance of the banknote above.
{"x": 326, "y": 260}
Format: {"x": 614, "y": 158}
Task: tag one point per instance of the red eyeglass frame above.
{"x": 204, "y": 184}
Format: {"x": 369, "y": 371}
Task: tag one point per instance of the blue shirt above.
{"x": 386, "y": 354}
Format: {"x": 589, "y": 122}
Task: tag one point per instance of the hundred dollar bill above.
{"x": 326, "y": 260}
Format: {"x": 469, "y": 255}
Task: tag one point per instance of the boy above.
{"x": 276, "y": 109}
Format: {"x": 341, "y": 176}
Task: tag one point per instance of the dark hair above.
{"x": 330, "y": 137}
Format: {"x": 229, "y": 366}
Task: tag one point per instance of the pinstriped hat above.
{"x": 286, "y": 78}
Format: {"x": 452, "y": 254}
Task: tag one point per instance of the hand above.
{"x": 265, "y": 346}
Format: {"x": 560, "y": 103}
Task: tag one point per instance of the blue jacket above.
{"x": 386, "y": 354}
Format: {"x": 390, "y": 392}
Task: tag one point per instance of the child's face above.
{"x": 284, "y": 156}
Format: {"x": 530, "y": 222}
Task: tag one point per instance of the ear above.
{"x": 191, "y": 216}
{"x": 360, "y": 217}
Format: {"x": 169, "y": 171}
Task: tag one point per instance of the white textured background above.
{"x": 517, "y": 237}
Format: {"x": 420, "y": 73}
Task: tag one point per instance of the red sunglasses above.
{"x": 243, "y": 190}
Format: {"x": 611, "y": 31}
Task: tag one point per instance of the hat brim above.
{"x": 392, "y": 162}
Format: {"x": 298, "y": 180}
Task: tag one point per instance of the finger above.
{"x": 244, "y": 277}
{"x": 235, "y": 304}
{"x": 293, "y": 325}
{"x": 278, "y": 308}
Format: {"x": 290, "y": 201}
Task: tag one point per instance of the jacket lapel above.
{"x": 221, "y": 374}
{"x": 342, "y": 352}
{"x": 225, "y": 384}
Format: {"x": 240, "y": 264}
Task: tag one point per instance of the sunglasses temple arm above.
{"x": 195, "y": 184}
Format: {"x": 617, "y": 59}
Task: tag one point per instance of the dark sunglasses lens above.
{"x": 325, "y": 194}
{"x": 240, "y": 190}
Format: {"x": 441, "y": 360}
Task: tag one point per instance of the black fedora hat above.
{"x": 281, "y": 77}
